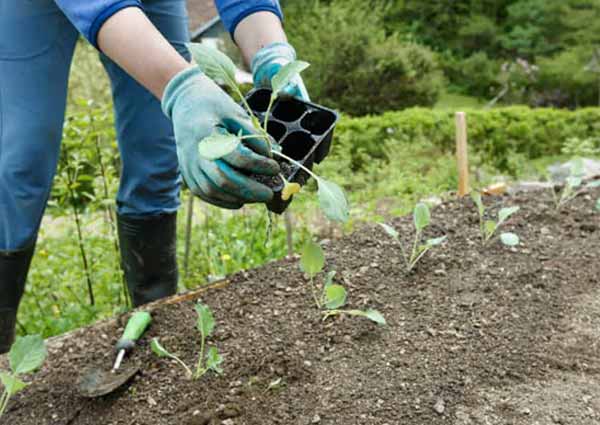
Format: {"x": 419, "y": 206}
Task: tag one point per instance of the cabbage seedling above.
{"x": 333, "y": 296}
{"x": 26, "y": 355}
{"x": 573, "y": 184}
{"x": 488, "y": 228}
{"x": 421, "y": 219}
{"x": 219, "y": 67}
{"x": 211, "y": 360}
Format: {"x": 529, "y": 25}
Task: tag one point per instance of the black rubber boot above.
{"x": 14, "y": 266}
{"x": 148, "y": 256}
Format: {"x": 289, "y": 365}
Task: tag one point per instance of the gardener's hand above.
{"x": 197, "y": 107}
{"x": 268, "y": 61}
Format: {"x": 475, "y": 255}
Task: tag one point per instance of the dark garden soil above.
{"x": 476, "y": 335}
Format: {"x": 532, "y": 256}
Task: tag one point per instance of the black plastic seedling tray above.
{"x": 303, "y": 130}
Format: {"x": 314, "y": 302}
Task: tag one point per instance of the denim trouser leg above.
{"x": 150, "y": 178}
{"x": 36, "y": 47}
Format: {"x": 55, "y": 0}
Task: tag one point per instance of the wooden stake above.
{"x": 461, "y": 154}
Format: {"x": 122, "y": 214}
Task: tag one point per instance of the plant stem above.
{"x": 268, "y": 113}
{"x": 314, "y": 293}
{"x": 414, "y": 263}
{"x": 329, "y": 313}
{"x": 70, "y": 181}
{"x": 402, "y": 251}
{"x": 251, "y": 112}
{"x": 199, "y": 370}
{"x": 414, "y": 250}
{"x": 187, "y": 369}
{"x": 3, "y": 402}
{"x": 253, "y": 136}
{"x": 109, "y": 211}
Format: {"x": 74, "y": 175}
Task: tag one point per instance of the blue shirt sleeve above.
{"x": 88, "y": 16}
{"x": 233, "y": 11}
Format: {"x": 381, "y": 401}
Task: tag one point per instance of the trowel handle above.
{"x": 136, "y": 325}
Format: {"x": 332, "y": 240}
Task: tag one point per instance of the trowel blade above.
{"x": 97, "y": 382}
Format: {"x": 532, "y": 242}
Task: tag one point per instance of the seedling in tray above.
{"x": 219, "y": 67}
{"x": 421, "y": 219}
{"x": 26, "y": 355}
{"x": 209, "y": 361}
{"x": 488, "y": 228}
{"x": 332, "y": 296}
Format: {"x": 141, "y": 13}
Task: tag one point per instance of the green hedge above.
{"x": 495, "y": 135}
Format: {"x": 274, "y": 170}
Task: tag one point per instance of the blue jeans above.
{"x": 36, "y": 48}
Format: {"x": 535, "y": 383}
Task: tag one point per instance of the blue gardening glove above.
{"x": 267, "y": 62}
{"x": 197, "y": 106}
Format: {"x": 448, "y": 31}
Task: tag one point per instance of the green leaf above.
{"x": 286, "y": 74}
{"x": 214, "y": 360}
{"x": 27, "y": 354}
{"x": 509, "y": 239}
{"x": 217, "y": 145}
{"x": 577, "y": 167}
{"x": 335, "y": 296}
{"x": 476, "y": 197}
{"x": 206, "y": 321}
{"x": 574, "y": 182}
{"x": 598, "y": 204}
{"x": 594, "y": 184}
{"x": 370, "y": 314}
{"x": 435, "y": 241}
{"x": 11, "y": 383}
{"x": 329, "y": 278}
{"x": 390, "y": 231}
{"x": 505, "y": 213}
{"x": 333, "y": 201}
{"x": 158, "y": 349}
{"x": 214, "y": 64}
{"x": 375, "y": 316}
{"x": 421, "y": 216}
{"x": 312, "y": 260}
{"x": 490, "y": 227}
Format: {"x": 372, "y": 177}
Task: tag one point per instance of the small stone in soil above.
{"x": 439, "y": 406}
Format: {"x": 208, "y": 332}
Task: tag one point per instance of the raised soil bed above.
{"x": 476, "y": 335}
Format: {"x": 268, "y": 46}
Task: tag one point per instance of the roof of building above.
{"x": 203, "y": 14}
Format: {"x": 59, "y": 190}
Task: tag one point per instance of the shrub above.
{"x": 476, "y": 75}
{"x": 564, "y": 80}
{"x": 495, "y": 135}
{"x": 356, "y": 67}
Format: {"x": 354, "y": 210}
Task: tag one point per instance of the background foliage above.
{"x": 355, "y": 63}
{"x": 474, "y": 42}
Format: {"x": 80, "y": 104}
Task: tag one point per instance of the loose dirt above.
{"x": 477, "y": 335}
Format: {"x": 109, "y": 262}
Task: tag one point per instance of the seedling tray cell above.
{"x": 304, "y": 131}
